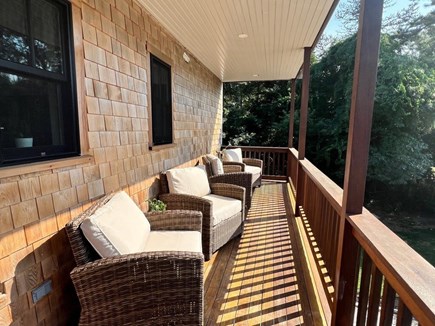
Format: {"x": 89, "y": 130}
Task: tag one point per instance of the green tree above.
{"x": 403, "y": 137}
{"x": 252, "y": 111}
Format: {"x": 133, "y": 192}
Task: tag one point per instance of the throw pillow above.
{"x": 217, "y": 166}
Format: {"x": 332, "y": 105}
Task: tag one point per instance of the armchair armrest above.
{"x": 175, "y": 220}
{"x": 231, "y": 168}
{"x": 232, "y": 163}
{"x": 185, "y": 202}
{"x": 242, "y": 179}
{"x": 228, "y": 190}
{"x": 254, "y": 161}
{"x": 146, "y": 288}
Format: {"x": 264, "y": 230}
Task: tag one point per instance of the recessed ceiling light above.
{"x": 243, "y": 35}
{"x": 255, "y": 75}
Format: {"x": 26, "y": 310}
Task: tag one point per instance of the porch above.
{"x": 283, "y": 269}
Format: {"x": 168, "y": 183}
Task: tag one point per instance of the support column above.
{"x": 360, "y": 123}
{"x": 300, "y": 183}
{"x": 291, "y": 125}
{"x": 304, "y": 104}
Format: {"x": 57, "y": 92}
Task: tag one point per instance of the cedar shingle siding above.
{"x": 112, "y": 78}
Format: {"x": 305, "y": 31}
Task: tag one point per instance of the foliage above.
{"x": 348, "y": 14}
{"x": 403, "y": 130}
{"x": 252, "y": 111}
{"x": 156, "y": 205}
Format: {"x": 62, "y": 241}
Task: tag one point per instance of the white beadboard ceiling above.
{"x": 278, "y": 30}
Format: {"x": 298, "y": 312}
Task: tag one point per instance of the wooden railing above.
{"x": 275, "y": 160}
{"x": 391, "y": 284}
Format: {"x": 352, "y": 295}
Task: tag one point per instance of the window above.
{"x": 161, "y": 101}
{"x": 38, "y": 114}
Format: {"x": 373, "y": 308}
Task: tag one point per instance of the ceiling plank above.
{"x": 277, "y": 30}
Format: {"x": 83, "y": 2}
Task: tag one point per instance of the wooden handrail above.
{"x": 411, "y": 276}
{"x": 275, "y": 160}
{"x": 260, "y": 148}
{"x": 329, "y": 188}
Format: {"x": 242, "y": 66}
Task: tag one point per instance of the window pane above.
{"x": 161, "y": 102}
{"x": 31, "y": 108}
{"x": 46, "y": 33}
{"x": 14, "y": 43}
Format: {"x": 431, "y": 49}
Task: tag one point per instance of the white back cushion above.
{"x": 189, "y": 181}
{"x": 117, "y": 228}
{"x": 233, "y": 155}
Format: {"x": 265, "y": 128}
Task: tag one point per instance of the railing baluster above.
{"x": 273, "y": 161}
{"x": 387, "y": 308}
{"x": 363, "y": 296}
{"x": 375, "y": 296}
{"x": 404, "y": 317}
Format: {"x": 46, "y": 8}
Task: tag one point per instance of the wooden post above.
{"x": 304, "y": 104}
{"x": 291, "y": 123}
{"x": 300, "y": 181}
{"x": 360, "y": 123}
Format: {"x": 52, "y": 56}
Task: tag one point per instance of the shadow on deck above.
{"x": 258, "y": 278}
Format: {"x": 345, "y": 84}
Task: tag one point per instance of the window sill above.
{"x": 15, "y": 170}
{"x": 160, "y": 147}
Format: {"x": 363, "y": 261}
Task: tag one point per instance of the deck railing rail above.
{"x": 391, "y": 284}
{"x": 275, "y": 160}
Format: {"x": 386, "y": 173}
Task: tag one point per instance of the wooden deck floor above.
{"x": 256, "y": 279}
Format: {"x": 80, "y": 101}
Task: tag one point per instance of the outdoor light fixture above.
{"x": 243, "y": 35}
{"x": 186, "y": 57}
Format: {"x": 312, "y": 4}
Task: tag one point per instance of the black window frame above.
{"x": 68, "y": 79}
{"x": 156, "y": 107}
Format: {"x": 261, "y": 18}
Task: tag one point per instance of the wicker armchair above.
{"x": 232, "y": 175}
{"x": 213, "y": 236}
{"x": 150, "y": 288}
{"x": 249, "y": 165}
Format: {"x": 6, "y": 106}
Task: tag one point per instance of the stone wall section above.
{"x": 34, "y": 207}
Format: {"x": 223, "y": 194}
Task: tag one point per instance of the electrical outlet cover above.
{"x": 41, "y": 291}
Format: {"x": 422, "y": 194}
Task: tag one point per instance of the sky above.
{"x": 333, "y": 26}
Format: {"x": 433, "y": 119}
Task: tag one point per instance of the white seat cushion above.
{"x": 233, "y": 155}
{"x": 189, "y": 181}
{"x": 117, "y": 228}
{"x": 255, "y": 171}
{"x": 174, "y": 241}
{"x": 223, "y": 207}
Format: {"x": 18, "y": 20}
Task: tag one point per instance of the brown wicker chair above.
{"x": 245, "y": 167}
{"x": 150, "y": 288}
{"x": 213, "y": 236}
{"x": 232, "y": 175}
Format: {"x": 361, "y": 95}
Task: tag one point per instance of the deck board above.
{"x": 255, "y": 279}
